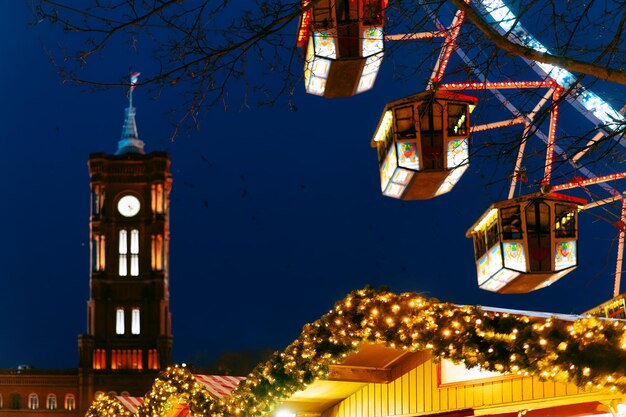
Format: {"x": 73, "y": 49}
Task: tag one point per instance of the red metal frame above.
{"x": 554, "y": 116}
{"x": 580, "y": 182}
{"x": 498, "y": 85}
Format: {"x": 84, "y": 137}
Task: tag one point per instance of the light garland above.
{"x": 587, "y": 352}
{"x": 106, "y": 405}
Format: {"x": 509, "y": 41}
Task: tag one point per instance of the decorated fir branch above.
{"x": 108, "y": 405}
{"x": 589, "y": 352}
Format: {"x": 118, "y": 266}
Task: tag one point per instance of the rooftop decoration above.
{"x": 586, "y": 351}
{"x": 130, "y": 142}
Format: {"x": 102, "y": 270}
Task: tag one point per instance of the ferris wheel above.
{"x": 525, "y": 242}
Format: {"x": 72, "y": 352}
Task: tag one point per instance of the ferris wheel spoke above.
{"x": 620, "y": 251}
{"x": 598, "y": 203}
{"x": 497, "y": 125}
{"x": 501, "y": 85}
{"x": 414, "y": 36}
{"x": 588, "y": 146}
{"x": 518, "y": 161}
{"x": 554, "y": 116}
{"x": 579, "y": 182}
{"x": 531, "y": 115}
{"x": 444, "y": 54}
{"x": 593, "y": 140}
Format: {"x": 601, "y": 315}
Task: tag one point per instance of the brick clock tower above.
{"x": 128, "y": 337}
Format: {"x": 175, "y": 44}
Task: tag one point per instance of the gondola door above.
{"x": 348, "y": 28}
{"x": 538, "y": 227}
{"x": 431, "y": 135}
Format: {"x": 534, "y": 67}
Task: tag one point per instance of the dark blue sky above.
{"x": 274, "y": 214}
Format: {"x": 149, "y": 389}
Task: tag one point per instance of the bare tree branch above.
{"x": 516, "y": 49}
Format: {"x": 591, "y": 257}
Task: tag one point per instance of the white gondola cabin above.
{"x": 423, "y": 144}
{"x": 526, "y": 243}
{"x": 343, "y": 45}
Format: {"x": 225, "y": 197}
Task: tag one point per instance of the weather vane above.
{"x": 134, "y": 77}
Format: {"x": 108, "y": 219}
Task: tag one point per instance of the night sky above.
{"x": 275, "y": 214}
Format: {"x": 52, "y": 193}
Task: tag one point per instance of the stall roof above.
{"x": 219, "y": 386}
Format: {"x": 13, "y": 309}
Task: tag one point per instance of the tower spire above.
{"x": 130, "y": 142}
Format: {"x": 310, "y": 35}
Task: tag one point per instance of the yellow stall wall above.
{"x": 417, "y": 391}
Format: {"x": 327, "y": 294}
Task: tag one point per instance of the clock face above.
{"x": 128, "y": 205}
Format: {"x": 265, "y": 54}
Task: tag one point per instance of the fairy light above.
{"x": 579, "y": 182}
{"x": 450, "y": 45}
{"x": 554, "y": 115}
{"x": 501, "y": 85}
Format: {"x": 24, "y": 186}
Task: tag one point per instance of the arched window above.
{"x": 33, "y": 401}
{"x": 70, "y": 402}
{"x": 51, "y": 402}
{"x": 16, "y": 401}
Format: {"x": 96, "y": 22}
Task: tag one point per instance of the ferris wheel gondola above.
{"x": 343, "y": 45}
{"x": 526, "y": 243}
{"x": 423, "y": 144}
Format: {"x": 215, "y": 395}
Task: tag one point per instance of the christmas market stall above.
{"x": 380, "y": 354}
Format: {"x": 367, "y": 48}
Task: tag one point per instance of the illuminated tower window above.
{"x": 157, "y": 252}
{"x": 158, "y": 198}
{"x": 98, "y": 252}
{"x": 134, "y": 252}
{"x": 123, "y": 251}
{"x": 135, "y": 326}
{"x": 153, "y": 359}
{"x": 99, "y": 359}
{"x": 119, "y": 320}
{"x": 33, "y": 401}
{"x": 97, "y": 197}
{"x": 51, "y": 402}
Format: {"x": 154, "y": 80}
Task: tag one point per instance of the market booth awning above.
{"x": 130, "y": 403}
{"x": 218, "y": 385}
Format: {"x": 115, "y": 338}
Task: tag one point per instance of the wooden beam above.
{"x": 359, "y": 374}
